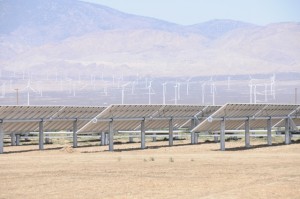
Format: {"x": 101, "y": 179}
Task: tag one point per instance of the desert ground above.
{"x": 181, "y": 171}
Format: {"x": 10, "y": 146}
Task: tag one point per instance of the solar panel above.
{"x": 236, "y": 114}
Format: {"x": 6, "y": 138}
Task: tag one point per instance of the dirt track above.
{"x": 185, "y": 171}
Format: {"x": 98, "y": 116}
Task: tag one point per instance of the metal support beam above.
{"x": 111, "y": 136}
{"x": 287, "y": 131}
{"x": 13, "y": 139}
{"x": 222, "y": 136}
{"x": 102, "y": 139}
{"x": 1, "y": 137}
{"x": 18, "y": 139}
{"x": 41, "y": 135}
{"x": 75, "y": 134}
{"x": 143, "y": 135}
{"x": 269, "y": 132}
{"x": 171, "y": 132}
{"x": 247, "y": 133}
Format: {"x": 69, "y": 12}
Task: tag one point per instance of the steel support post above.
{"x": 192, "y": 133}
{"x": 106, "y": 139}
{"x": 130, "y": 138}
{"x": 154, "y": 137}
{"x": 247, "y": 133}
{"x": 75, "y": 134}
{"x": 196, "y": 138}
{"x": 143, "y": 134}
{"x": 269, "y": 131}
{"x": 47, "y": 139}
{"x": 111, "y": 136}
{"x": 1, "y": 138}
{"x": 41, "y": 135}
{"x": 171, "y": 132}
{"x": 222, "y": 136}
{"x": 192, "y": 137}
{"x": 216, "y": 137}
{"x": 18, "y": 139}
{"x": 102, "y": 143}
{"x": 287, "y": 131}
{"x": 13, "y": 139}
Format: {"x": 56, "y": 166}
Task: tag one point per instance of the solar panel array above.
{"x": 23, "y": 119}
{"x": 258, "y": 114}
{"x": 129, "y": 117}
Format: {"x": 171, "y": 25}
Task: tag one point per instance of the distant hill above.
{"x": 71, "y": 36}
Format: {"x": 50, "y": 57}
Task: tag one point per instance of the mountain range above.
{"x": 70, "y": 36}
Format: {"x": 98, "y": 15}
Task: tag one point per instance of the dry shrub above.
{"x": 67, "y": 149}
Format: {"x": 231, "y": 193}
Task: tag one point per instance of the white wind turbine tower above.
{"x": 164, "y": 92}
{"x": 132, "y": 87}
{"x": 123, "y": 92}
{"x": 228, "y": 83}
{"x": 188, "y": 86}
{"x": 28, "y": 87}
{"x": 149, "y": 92}
{"x": 203, "y": 92}
{"x": 3, "y": 89}
{"x": 273, "y": 90}
{"x": 175, "y": 87}
{"x": 251, "y": 89}
{"x": 213, "y": 91}
{"x": 178, "y": 90}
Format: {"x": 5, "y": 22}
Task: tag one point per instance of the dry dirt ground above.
{"x": 181, "y": 171}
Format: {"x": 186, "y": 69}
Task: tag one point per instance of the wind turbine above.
{"x": 178, "y": 90}
{"x": 3, "y": 89}
{"x": 188, "y": 85}
{"x": 213, "y": 91}
{"x": 123, "y": 92}
{"x": 132, "y": 87}
{"x": 176, "y": 85}
{"x": 28, "y": 87}
{"x": 251, "y": 89}
{"x": 203, "y": 92}
{"x": 273, "y": 90}
{"x": 164, "y": 92}
{"x": 149, "y": 92}
{"x": 228, "y": 83}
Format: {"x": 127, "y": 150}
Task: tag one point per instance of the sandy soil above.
{"x": 181, "y": 171}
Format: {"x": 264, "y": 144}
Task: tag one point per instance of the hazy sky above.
{"x": 189, "y": 12}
